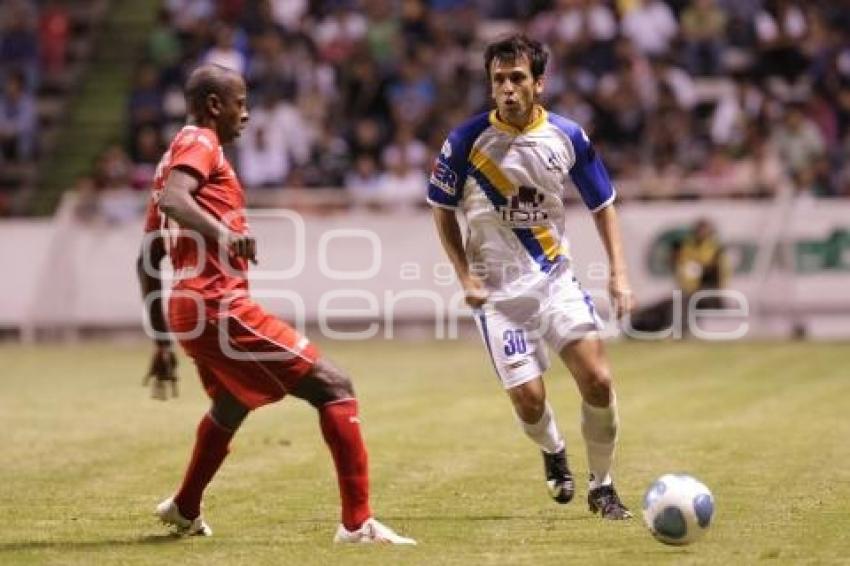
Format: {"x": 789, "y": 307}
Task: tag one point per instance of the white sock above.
{"x": 544, "y": 432}
{"x": 599, "y": 428}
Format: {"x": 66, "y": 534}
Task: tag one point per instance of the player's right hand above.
{"x": 242, "y": 245}
{"x": 476, "y": 293}
{"x": 163, "y": 370}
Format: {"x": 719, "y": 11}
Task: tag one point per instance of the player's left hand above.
{"x": 163, "y": 370}
{"x": 621, "y": 295}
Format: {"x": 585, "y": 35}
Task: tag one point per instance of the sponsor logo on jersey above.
{"x": 446, "y": 150}
{"x": 518, "y": 364}
{"x": 444, "y": 178}
{"x": 555, "y": 161}
{"x": 524, "y": 208}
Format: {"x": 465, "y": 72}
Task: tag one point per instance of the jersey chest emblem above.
{"x": 524, "y": 208}
{"x": 555, "y": 161}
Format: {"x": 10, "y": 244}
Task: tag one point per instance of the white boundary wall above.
{"x": 372, "y": 267}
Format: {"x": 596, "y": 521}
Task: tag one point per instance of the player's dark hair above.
{"x": 516, "y": 46}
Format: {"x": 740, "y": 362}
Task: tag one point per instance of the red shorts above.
{"x": 253, "y": 355}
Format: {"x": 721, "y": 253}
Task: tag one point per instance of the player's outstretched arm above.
{"x": 178, "y": 203}
{"x": 450, "y": 237}
{"x": 163, "y": 362}
{"x": 618, "y": 284}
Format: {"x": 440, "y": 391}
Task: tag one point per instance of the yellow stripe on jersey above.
{"x": 551, "y": 247}
{"x": 488, "y": 167}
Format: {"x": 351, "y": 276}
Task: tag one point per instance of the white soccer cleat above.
{"x": 169, "y": 514}
{"x": 372, "y": 531}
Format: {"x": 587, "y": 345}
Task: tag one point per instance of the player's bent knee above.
{"x": 531, "y": 412}
{"x": 228, "y": 412}
{"x": 599, "y": 388}
{"x": 529, "y": 404}
{"x": 324, "y": 383}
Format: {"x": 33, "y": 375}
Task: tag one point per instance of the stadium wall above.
{"x": 355, "y": 275}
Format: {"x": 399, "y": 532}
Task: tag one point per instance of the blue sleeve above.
{"x": 589, "y": 174}
{"x": 445, "y": 186}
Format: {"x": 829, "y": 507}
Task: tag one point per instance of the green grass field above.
{"x": 86, "y": 455}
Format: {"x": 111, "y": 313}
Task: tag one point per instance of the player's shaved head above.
{"x": 217, "y": 99}
{"x": 206, "y": 80}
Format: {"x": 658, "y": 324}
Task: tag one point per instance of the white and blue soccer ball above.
{"x": 678, "y": 509}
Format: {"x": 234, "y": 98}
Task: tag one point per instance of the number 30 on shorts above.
{"x": 514, "y": 342}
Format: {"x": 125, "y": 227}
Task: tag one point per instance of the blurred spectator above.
{"x": 401, "y": 185}
{"x": 330, "y": 160}
{"x": 19, "y": 41}
{"x": 164, "y": 48}
{"x": 364, "y": 183}
{"x": 382, "y": 31}
{"x": 698, "y": 263}
{"x": 781, "y": 27}
{"x": 270, "y": 70}
{"x": 739, "y": 106}
{"x": 225, "y": 51}
{"x": 675, "y": 81}
{"x": 758, "y": 171}
{"x": 287, "y": 13}
{"x": 661, "y": 178}
{"x": 87, "y": 206}
{"x": 405, "y": 147}
{"x": 17, "y": 120}
{"x": 363, "y": 89}
{"x": 671, "y": 90}
{"x": 415, "y": 28}
{"x": 572, "y": 104}
{"x": 801, "y": 146}
{"x": 147, "y": 151}
{"x": 187, "y": 14}
{"x": 338, "y": 34}
{"x": 588, "y": 27}
{"x": 651, "y": 26}
{"x": 413, "y": 94}
{"x": 113, "y": 169}
{"x": 54, "y": 29}
{"x": 145, "y": 101}
{"x": 701, "y": 264}
{"x": 703, "y": 27}
{"x": 622, "y": 119}
{"x": 272, "y": 143}
{"x": 368, "y": 138}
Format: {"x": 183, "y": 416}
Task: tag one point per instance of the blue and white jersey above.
{"x": 510, "y": 187}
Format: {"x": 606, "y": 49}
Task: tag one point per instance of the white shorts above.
{"x": 516, "y": 332}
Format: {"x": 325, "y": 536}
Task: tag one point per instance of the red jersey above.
{"x": 220, "y": 194}
{"x": 236, "y": 345}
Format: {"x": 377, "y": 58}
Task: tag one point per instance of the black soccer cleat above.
{"x": 605, "y": 501}
{"x": 559, "y": 479}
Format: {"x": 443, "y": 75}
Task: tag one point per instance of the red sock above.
{"x": 341, "y": 429}
{"x": 211, "y": 447}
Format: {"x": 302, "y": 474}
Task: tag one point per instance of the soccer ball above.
{"x": 677, "y": 509}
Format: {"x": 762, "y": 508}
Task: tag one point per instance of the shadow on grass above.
{"x": 87, "y": 544}
{"x": 482, "y": 518}
{"x": 83, "y": 545}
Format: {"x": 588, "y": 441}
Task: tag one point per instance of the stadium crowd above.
{"x": 33, "y": 46}
{"x": 683, "y": 98}
{"x": 44, "y": 46}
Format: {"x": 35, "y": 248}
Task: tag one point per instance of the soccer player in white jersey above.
{"x": 506, "y": 173}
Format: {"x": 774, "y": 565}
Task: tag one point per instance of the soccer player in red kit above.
{"x": 245, "y": 357}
